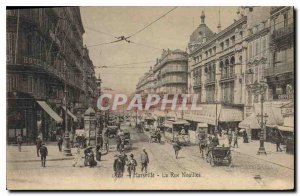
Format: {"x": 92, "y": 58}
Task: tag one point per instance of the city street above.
{"x": 164, "y": 172}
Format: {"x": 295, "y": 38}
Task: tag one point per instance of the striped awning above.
{"x": 249, "y": 123}
{"x": 50, "y": 112}
{"x": 70, "y": 114}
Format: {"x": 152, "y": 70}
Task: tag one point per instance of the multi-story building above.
{"x": 168, "y": 75}
{"x": 216, "y": 72}
{"x": 270, "y": 61}
{"x": 46, "y": 60}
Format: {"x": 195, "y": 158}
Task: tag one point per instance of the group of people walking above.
{"x": 122, "y": 161}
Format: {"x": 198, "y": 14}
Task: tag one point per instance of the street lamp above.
{"x": 259, "y": 88}
{"x": 67, "y": 146}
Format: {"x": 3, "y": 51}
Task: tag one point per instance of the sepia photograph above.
{"x": 150, "y": 98}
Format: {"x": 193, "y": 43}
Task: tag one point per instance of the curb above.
{"x": 264, "y": 160}
{"x": 37, "y": 160}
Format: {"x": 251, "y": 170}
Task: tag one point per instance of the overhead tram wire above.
{"x": 268, "y": 48}
{"x": 101, "y": 32}
{"x": 123, "y": 38}
{"x": 152, "y": 23}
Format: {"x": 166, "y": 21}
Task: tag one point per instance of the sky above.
{"x": 171, "y": 31}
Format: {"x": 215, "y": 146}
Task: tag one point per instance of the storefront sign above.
{"x": 30, "y": 60}
{"x": 288, "y": 111}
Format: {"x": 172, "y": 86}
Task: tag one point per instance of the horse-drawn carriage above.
{"x": 155, "y": 136}
{"x": 112, "y": 131}
{"x": 219, "y": 154}
{"x": 124, "y": 141}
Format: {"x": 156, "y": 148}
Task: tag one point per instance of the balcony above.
{"x": 283, "y": 32}
{"x": 172, "y": 69}
{"x": 227, "y": 76}
{"x": 279, "y": 69}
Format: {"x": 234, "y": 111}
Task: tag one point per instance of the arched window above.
{"x": 232, "y": 61}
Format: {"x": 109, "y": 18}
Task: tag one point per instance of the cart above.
{"x": 155, "y": 136}
{"x": 217, "y": 155}
{"x": 127, "y": 141}
{"x": 112, "y": 131}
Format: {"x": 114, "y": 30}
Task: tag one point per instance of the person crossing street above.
{"x": 144, "y": 160}
{"x": 44, "y": 154}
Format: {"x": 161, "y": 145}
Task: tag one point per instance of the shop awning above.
{"x": 70, "y": 114}
{"x": 50, "y": 112}
{"x": 249, "y": 123}
{"x": 231, "y": 115}
{"x": 274, "y": 114}
{"x": 202, "y": 125}
{"x": 288, "y": 124}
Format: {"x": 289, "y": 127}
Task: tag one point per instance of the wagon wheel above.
{"x": 211, "y": 160}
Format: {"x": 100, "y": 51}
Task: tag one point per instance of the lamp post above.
{"x": 259, "y": 88}
{"x": 67, "y": 148}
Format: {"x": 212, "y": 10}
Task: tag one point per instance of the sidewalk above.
{"x": 279, "y": 158}
{"x": 28, "y": 154}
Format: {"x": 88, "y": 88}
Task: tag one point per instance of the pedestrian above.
{"x": 87, "y": 152}
{"x": 144, "y": 160}
{"x": 118, "y": 167}
{"x": 59, "y": 143}
{"x": 176, "y": 147}
{"x": 245, "y": 136}
{"x": 215, "y": 140}
{"x": 131, "y": 165}
{"x": 98, "y": 153}
{"x": 235, "y": 138}
{"x": 278, "y": 141}
{"x": 230, "y": 137}
{"x": 19, "y": 141}
{"x": 38, "y": 145}
{"x": 44, "y": 154}
{"x": 100, "y": 141}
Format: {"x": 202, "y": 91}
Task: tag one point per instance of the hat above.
{"x": 131, "y": 155}
{"x": 43, "y": 143}
{"x": 144, "y": 148}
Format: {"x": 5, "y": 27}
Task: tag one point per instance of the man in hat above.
{"x": 59, "y": 143}
{"x": 144, "y": 160}
{"x": 131, "y": 164}
{"x": 118, "y": 167}
{"x": 44, "y": 154}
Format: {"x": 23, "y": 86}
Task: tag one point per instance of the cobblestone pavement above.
{"x": 24, "y": 170}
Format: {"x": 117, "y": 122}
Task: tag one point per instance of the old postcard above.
{"x": 150, "y": 98}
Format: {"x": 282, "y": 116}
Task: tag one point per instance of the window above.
{"x": 233, "y": 40}
{"x": 214, "y": 49}
{"x": 264, "y": 46}
{"x": 241, "y": 34}
{"x": 222, "y": 46}
{"x": 285, "y": 20}
{"x": 13, "y": 83}
{"x": 29, "y": 45}
{"x": 30, "y": 84}
{"x": 227, "y": 43}
{"x": 250, "y": 51}
{"x": 257, "y": 48}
